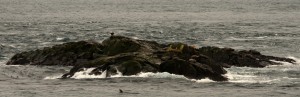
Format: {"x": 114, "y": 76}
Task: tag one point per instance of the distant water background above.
{"x": 269, "y": 26}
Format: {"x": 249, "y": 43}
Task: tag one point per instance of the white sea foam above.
{"x": 2, "y": 63}
{"x": 235, "y": 74}
{"x": 286, "y": 65}
{"x": 206, "y": 80}
{"x": 296, "y": 59}
{"x": 160, "y": 75}
{"x": 262, "y": 75}
{"x": 85, "y": 75}
{"x": 135, "y": 37}
{"x": 235, "y": 77}
{"x": 232, "y": 75}
{"x": 53, "y": 77}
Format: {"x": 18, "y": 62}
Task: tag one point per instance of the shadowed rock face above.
{"x": 130, "y": 56}
{"x": 248, "y": 58}
{"x": 67, "y": 54}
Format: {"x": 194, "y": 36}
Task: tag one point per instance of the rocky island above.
{"x": 132, "y": 56}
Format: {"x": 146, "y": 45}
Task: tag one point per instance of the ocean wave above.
{"x": 2, "y": 63}
{"x": 246, "y": 77}
{"x": 236, "y": 78}
{"x": 296, "y": 59}
{"x": 271, "y": 74}
{"x": 85, "y": 75}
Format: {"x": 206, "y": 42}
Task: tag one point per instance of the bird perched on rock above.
{"x": 112, "y": 33}
{"x": 120, "y": 91}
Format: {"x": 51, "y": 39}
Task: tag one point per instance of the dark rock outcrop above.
{"x": 129, "y": 57}
{"x": 248, "y": 58}
{"x": 67, "y": 54}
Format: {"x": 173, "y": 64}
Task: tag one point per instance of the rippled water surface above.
{"x": 269, "y": 26}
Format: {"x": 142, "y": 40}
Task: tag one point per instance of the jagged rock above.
{"x": 230, "y": 57}
{"x": 119, "y": 44}
{"x": 67, "y": 54}
{"x": 179, "y": 66}
{"x": 126, "y": 63}
{"x": 129, "y": 57}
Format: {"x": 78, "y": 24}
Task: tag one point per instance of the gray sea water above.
{"x": 269, "y": 26}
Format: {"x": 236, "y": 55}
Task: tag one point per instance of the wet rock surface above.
{"x": 130, "y": 56}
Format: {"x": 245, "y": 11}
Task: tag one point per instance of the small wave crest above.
{"x": 287, "y": 64}
{"x": 246, "y": 77}
{"x": 85, "y": 75}
{"x": 235, "y": 74}
{"x": 269, "y": 74}
{"x": 2, "y": 63}
{"x": 296, "y": 59}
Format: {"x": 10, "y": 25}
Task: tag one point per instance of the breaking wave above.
{"x": 85, "y": 75}
{"x": 270, "y": 74}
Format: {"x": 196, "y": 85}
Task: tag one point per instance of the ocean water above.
{"x": 269, "y": 26}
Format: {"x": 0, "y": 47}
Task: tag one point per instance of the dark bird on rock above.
{"x": 120, "y": 91}
{"x": 112, "y": 33}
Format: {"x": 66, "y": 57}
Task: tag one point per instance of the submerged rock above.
{"x": 129, "y": 57}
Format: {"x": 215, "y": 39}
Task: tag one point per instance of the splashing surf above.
{"x": 235, "y": 74}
